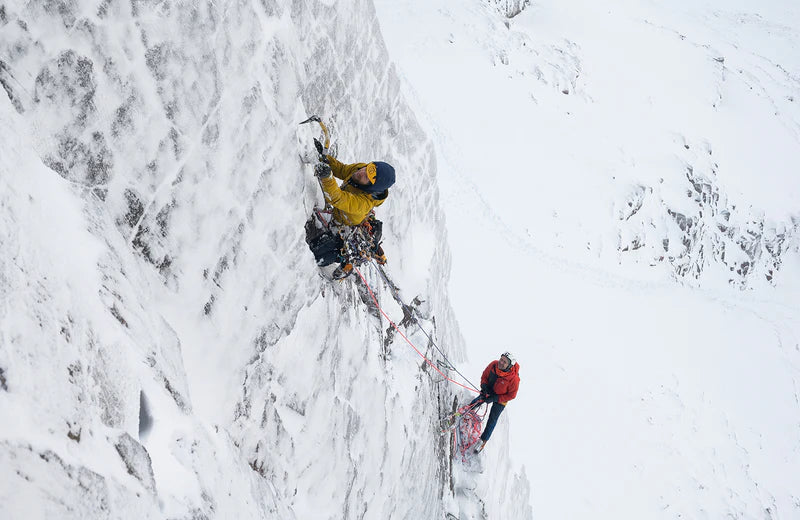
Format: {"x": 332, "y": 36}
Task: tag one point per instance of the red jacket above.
{"x": 504, "y": 384}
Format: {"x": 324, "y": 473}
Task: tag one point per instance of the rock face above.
{"x": 168, "y": 349}
{"x": 510, "y": 8}
{"x": 701, "y": 235}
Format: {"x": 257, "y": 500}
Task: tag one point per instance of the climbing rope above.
{"x": 465, "y": 426}
{"x": 322, "y": 150}
{"x": 408, "y": 309}
{"x": 396, "y": 328}
{"x": 467, "y": 432}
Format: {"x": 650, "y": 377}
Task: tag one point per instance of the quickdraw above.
{"x": 358, "y": 242}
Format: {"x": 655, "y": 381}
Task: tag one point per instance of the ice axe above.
{"x": 323, "y": 150}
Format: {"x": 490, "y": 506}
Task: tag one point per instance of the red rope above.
{"x": 372, "y": 295}
{"x": 468, "y": 432}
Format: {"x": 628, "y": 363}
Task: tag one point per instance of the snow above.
{"x": 163, "y": 141}
{"x": 657, "y": 380}
{"x": 607, "y": 190}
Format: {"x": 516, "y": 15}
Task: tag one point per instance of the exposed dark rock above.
{"x": 135, "y": 208}
{"x": 151, "y": 245}
{"x": 222, "y": 266}
{"x": 6, "y": 82}
{"x": 156, "y": 60}
{"x": 267, "y": 337}
{"x": 209, "y": 305}
{"x": 137, "y": 461}
{"x": 69, "y": 79}
{"x": 102, "y": 9}
{"x": 74, "y": 369}
{"x": 709, "y": 231}
{"x": 115, "y": 312}
{"x": 89, "y": 162}
{"x": 65, "y": 9}
{"x": 123, "y": 120}
{"x": 176, "y": 396}
{"x": 92, "y": 486}
{"x": 510, "y": 8}
{"x": 74, "y": 432}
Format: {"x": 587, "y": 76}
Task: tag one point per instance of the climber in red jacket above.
{"x": 499, "y": 384}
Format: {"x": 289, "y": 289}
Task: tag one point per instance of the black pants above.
{"x": 326, "y": 246}
{"x": 327, "y": 249}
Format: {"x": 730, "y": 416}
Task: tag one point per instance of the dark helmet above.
{"x": 384, "y": 178}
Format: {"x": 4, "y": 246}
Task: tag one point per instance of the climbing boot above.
{"x": 379, "y": 255}
{"x": 342, "y": 272}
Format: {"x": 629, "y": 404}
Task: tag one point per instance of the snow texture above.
{"x": 609, "y": 190}
{"x": 510, "y": 8}
{"x": 169, "y": 349}
{"x": 620, "y": 185}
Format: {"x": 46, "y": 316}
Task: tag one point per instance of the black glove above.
{"x": 322, "y": 171}
{"x": 318, "y": 146}
{"x": 484, "y": 388}
{"x": 492, "y": 398}
{"x": 320, "y": 151}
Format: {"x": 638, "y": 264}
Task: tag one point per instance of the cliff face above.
{"x": 168, "y": 348}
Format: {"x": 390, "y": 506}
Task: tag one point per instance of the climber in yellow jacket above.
{"x": 365, "y": 187}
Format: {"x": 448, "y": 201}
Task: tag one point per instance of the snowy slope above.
{"x": 620, "y": 186}
{"x": 168, "y": 348}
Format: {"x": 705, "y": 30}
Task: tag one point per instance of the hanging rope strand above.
{"x": 428, "y": 361}
{"x": 407, "y": 308}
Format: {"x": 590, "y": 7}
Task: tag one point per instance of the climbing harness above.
{"x": 358, "y": 242}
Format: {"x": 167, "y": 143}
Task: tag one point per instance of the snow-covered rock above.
{"x": 510, "y": 8}
{"x": 168, "y": 347}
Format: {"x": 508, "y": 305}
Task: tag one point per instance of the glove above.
{"x": 485, "y": 388}
{"x": 492, "y": 398}
{"x": 322, "y": 171}
{"x": 319, "y": 147}
{"x": 323, "y": 157}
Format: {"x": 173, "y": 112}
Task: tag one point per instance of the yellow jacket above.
{"x": 351, "y": 205}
